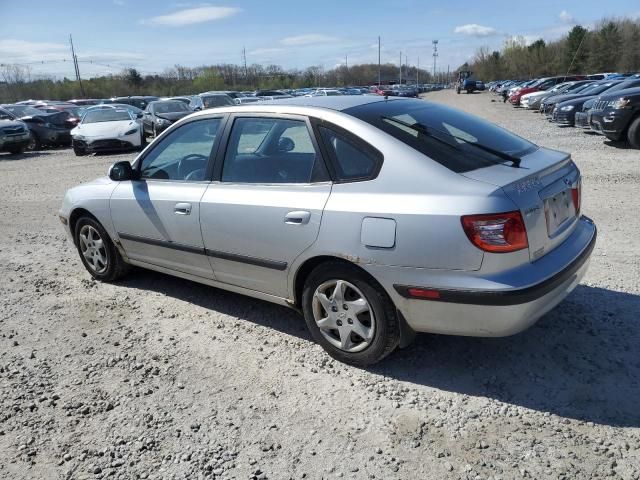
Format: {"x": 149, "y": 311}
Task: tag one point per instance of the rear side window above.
{"x": 455, "y": 139}
{"x": 352, "y": 160}
{"x": 271, "y": 150}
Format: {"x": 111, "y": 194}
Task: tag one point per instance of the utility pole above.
{"x": 75, "y": 64}
{"x": 244, "y": 61}
{"x": 435, "y": 55}
{"x": 379, "y": 72}
{"x": 400, "y": 81}
{"x": 346, "y": 70}
{"x": 448, "y": 79}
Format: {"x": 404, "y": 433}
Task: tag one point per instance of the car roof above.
{"x": 621, "y": 93}
{"x": 338, "y": 103}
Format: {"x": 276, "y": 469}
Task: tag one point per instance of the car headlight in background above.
{"x": 567, "y": 108}
{"x": 162, "y": 121}
{"x": 130, "y": 132}
{"x": 619, "y": 103}
{"x": 79, "y": 137}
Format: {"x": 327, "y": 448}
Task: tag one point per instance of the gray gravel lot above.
{"x": 157, "y": 377}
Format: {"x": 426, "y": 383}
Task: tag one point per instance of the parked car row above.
{"x": 607, "y": 104}
{"x": 124, "y": 122}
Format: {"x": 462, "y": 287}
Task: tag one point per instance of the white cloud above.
{"x": 24, "y": 51}
{"x": 191, "y": 16}
{"x": 265, "y": 51}
{"x": 308, "y": 39}
{"x": 566, "y": 17}
{"x": 475, "y": 30}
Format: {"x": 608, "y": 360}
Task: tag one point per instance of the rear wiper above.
{"x": 418, "y": 127}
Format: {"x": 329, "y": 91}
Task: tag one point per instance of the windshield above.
{"x": 597, "y": 88}
{"x": 623, "y": 86}
{"x": 169, "y": 107}
{"x": 5, "y": 115}
{"x": 457, "y": 140}
{"x": 23, "y": 111}
{"x": 106, "y": 115}
{"x": 216, "y": 101}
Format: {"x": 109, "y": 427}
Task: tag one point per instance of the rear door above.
{"x": 266, "y": 205}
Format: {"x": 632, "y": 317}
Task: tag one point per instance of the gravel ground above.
{"x": 157, "y": 377}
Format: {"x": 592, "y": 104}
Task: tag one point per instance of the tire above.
{"x": 633, "y": 133}
{"x": 16, "y": 151}
{"x": 155, "y": 133}
{"x": 97, "y": 252}
{"x": 379, "y": 320}
{"x": 458, "y": 91}
{"x": 79, "y": 152}
{"x": 34, "y": 143}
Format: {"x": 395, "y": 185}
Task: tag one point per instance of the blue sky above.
{"x": 155, "y": 35}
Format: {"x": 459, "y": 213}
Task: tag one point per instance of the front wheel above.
{"x": 352, "y": 318}
{"x": 34, "y": 143}
{"x": 97, "y": 252}
{"x": 633, "y": 134}
{"x": 16, "y": 151}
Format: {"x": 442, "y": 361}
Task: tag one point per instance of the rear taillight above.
{"x": 497, "y": 233}
{"x": 576, "y": 194}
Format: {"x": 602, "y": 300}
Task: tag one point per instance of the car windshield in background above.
{"x": 5, "y": 116}
{"x": 597, "y": 88}
{"x": 23, "y": 110}
{"x": 170, "y": 107}
{"x": 216, "y": 101}
{"x": 106, "y": 115}
{"x": 458, "y": 141}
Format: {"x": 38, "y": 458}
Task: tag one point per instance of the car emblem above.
{"x": 567, "y": 181}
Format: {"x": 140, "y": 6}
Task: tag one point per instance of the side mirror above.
{"x": 285, "y": 144}
{"x": 121, "y": 171}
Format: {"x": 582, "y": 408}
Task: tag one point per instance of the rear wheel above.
{"x": 348, "y": 315}
{"x": 97, "y": 252}
{"x": 633, "y": 134}
{"x": 79, "y": 151}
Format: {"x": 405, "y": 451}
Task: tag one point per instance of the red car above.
{"x": 542, "y": 84}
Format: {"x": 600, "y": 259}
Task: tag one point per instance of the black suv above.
{"x": 617, "y": 115}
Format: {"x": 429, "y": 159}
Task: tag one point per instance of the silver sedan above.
{"x": 376, "y": 218}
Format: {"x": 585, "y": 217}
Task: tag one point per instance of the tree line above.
{"x": 613, "y": 45}
{"x": 17, "y": 83}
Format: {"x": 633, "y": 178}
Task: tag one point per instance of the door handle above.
{"x": 182, "y": 209}
{"x": 299, "y": 217}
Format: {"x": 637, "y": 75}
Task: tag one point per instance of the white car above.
{"x": 107, "y": 129}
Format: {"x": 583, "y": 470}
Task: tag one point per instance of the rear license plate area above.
{"x": 558, "y": 209}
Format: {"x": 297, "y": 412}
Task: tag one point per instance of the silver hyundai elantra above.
{"x": 376, "y": 218}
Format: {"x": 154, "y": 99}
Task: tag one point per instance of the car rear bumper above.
{"x": 491, "y": 306}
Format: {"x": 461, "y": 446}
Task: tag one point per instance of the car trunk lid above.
{"x": 546, "y": 189}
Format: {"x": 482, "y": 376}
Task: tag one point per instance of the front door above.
{"x": 157, "y": 217}
{"x": 265, "y": 208}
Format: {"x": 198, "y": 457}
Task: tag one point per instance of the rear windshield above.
{"x": 457, "y": 140}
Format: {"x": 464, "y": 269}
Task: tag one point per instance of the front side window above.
{"x": 271, "y": 150}
{"x": 183, "y": 154}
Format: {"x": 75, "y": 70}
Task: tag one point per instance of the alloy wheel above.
{"x": 343, "y": 315}
{"x": 93, "y": 249}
